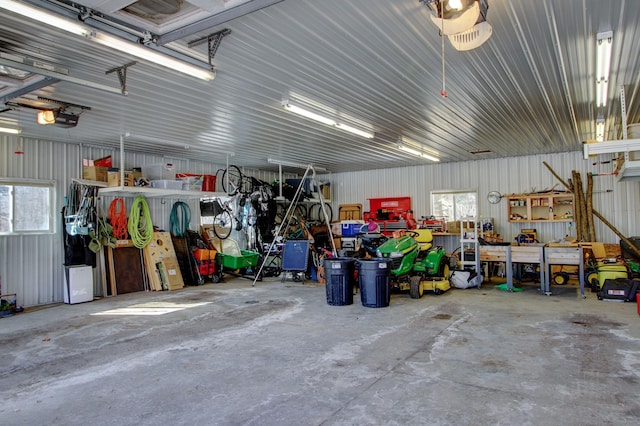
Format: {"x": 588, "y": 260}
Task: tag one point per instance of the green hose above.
{"x": 179, "y": 219}
{"x": 140, "y": 225}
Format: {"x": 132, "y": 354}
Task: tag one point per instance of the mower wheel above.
{"x": 215, "y": 278}
{"x": 595, "y": 284}
{"x": 416, "y": 288}
{"x": 560, "y": 278}
{"x": 444, "y": 268}
{"x": 592, "y": 275}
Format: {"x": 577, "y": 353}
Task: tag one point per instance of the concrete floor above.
{"x": 278, "y": 354}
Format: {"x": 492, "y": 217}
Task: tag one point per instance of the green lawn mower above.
{"x": 416, "y": 265}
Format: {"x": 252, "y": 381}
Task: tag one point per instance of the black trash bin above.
{"x": 373, "y": 276}
{"x": 339, "y": 277}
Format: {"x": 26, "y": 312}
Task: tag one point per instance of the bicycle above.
{"x": 222, "y": 219}
{"x": 234, "y": 181}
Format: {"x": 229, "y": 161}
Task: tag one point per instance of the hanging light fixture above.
{"x": 463, "y": 21}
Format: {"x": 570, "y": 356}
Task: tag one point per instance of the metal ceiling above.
{"x": 530, "y": 89}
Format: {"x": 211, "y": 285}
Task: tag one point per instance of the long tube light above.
{"x": 106, "y": 39}
{"x": 603, "y": 66}
{"x": 308, "y": 114}
{"x": 325, "y": 120}
{"x": 355, "y": 131}
{"x": 10, "y": 130}
{"x": 416, "y": 152}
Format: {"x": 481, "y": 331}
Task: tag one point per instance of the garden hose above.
{"x": 140, "y": 225}
{"x": 179, "y": 219}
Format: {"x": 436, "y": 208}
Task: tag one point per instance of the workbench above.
{"x": 532, "y": 253}
{"x": 564, "y": 255}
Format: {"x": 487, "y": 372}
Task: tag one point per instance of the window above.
{"x": 453, "y": 205}
{"x": 26, "y": 207}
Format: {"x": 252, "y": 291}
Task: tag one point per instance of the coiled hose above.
{"x": 118, "y": 218}
{"x": 179, "y": 219}
{"x": 140, "y": 225}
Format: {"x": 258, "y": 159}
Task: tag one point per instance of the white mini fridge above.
{"x": 78, "y": 286}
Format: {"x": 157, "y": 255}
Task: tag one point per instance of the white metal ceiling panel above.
{"x": 528, "y": 90}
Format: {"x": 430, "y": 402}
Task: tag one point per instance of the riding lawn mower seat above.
{"x": 424, "y": 239}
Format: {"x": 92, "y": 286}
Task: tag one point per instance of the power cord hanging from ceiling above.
{"x": 443, "y": 92}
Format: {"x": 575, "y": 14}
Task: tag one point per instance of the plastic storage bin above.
{"x": 339, "y": 276}
{"x": 245, "y": 260}
{"x": 165, "y": 171}
{"x": 166, "y": 184}
{"x": 374, "y": 278}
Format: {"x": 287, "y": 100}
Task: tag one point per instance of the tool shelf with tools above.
{"x": 541, "y": 207}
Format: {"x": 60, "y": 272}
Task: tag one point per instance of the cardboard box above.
{"x": 96, "y": 173}
{"x": 454, "y": 228}
{"x": 113, "y": 177}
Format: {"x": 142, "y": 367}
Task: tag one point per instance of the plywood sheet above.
{"x": 158, "y": 250}
{"x": 125, "y": 270}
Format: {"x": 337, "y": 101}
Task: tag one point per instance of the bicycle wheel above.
{"x": 222, "y": 224}
{"x": 232, "y": 180}
{"x": 300, "y": 212}
{"x": 316, "y": 215}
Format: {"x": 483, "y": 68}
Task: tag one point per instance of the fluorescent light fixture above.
{"x": 45, "y": 17}
{"x": 107, "y": 40}
{"x": 308, "y": 114}
{"x": 415, "y": 151}
{"x": 603, "y": 66}
{"x": 600, "y": 129}
{"x": 151, "y": 56}
{"x": 326, "y": 120}
{"x": 603, "y": 55}
{"x": 602, "y": 89}
{"x": 10, "y": 130}
{"x": 355, "y": 131}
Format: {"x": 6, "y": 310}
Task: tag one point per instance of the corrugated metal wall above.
{"x": 32, "y": 265}
{"x": 507, "y": 175}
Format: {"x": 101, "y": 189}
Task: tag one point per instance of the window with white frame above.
{"x": 27, "y": 206}
{"x": 454, "y": 205}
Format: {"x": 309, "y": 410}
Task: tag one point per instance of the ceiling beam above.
{"x": 220, "y": 18}
{"x": 61, "y": 77}
{"x": 30, "y": 85}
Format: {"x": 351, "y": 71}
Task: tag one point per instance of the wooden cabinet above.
{"x": 547, "y": 207}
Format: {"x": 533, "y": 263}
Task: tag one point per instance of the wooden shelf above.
{"x": 545, "y": 207}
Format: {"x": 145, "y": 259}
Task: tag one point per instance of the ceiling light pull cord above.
{"x": 443, "y": 92}
{"x": 118, "y": 218}
{"x": 140, "y": 225}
